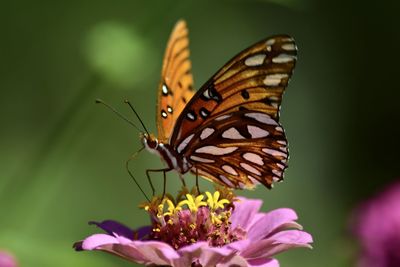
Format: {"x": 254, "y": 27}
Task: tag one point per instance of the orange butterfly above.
{"x": 228, "y": 131}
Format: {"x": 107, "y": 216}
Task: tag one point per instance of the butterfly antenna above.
{"x": 131, "y": 175}
{"x": 137, "y": 115}
{"x": 99, "y": 101}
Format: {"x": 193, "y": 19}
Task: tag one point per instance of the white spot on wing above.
{"x": 274, "y": 152}
{"x": 270, "y": 42}
{"x": 229, "y": 169}
{"x": 190, "y": 115}
{"x": 249, "y": 168}
{"x": 214, "y": 150}
{"x": 283, "y": 148}
{"x": 253, "y": 158}
{"x": 280, "y": 166}
{"x": 257, "y": 132}
{"x": 184, "y": 143}
{"x": 255, "y": 60}
{"x": 276, "y": 179}
{"x": 281, "y": 142}
{"x": 289, "y": 47}
{"x": 274, "y": 79}
{"x": 164, "y": 89}
{"x": 206, "y": 133}
{"x": 232, "y": 133}
{"x": 261, "y": 117}
{"x": 276, "y": 172}
{"x": 199, "y": 159}
{"x": 206, "y": 94}
{"x": 287, "y": 39}
{"x": 279, "y": 129}
{"x": 253, "y": 180}
{"x": 226, "y": 181}
{"x": 283, "y": 58}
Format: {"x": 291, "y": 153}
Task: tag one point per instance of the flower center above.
{"x": 193, "y": 217}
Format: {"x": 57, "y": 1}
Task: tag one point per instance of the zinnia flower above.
{"x": 203, "y": 230}
{"x": 377, "y": 227}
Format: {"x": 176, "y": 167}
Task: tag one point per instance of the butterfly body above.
{"x": 169, "y": 155}
{"x": 228, "y": 131}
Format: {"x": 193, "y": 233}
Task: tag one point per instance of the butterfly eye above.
{"x": 152, "y": 143}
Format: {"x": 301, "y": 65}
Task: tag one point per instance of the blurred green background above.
{"x": 62, "y": 157}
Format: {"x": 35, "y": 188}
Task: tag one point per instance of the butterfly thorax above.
{"x": 170, "y": 156}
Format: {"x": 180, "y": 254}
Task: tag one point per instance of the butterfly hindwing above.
{"x": 255, "y": 79}
{"x": 176, "y": 85}
{"x": 239, "y": 150}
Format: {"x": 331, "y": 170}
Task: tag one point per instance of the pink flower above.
{"x": 212, "y": 233}
{"x": 7, "y": 260}
{"x": 377, "y": 226}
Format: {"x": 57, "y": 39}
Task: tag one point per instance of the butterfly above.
{"x": 228, "y": 131}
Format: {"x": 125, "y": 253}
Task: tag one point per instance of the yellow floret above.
{"x": 214, "y": 202}
{"x": 193, "y": 203}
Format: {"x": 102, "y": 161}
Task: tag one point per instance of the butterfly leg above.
{"x": 182, "y": 180}
{"x": 165, "y": 184}
{"x": 157, "y": 170}
{"x": 197, "y": 181}
{"x": 131, "y": 175}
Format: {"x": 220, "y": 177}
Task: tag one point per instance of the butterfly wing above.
{"x": 240, "y": 150}
{"x": 251, "y": 83}
{"x": 255, "y": 79}
{"x": 176, "y": 85}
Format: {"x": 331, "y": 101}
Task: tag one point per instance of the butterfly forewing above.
{"x": 176, "y": 85}
{"x": 255, "y": 80}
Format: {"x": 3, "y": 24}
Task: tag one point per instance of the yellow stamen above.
{"x": 172, "y": 209}
{"x": 160, "y": 210}
{"x": 193, "y": 203}
{"x": 214, "y": 202}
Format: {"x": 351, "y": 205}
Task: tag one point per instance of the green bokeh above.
{"x": 62, "y": 157}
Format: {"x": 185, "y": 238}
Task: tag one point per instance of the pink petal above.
{"x": 189, "y": 254}
{"x": 97, "y": 240}
{"x": 277, "y": 243}
{"x": 193, "y": 249}
{"x": 244, "y": 212}
{"x": 119, "y": 246}
{"x": 239, "y": 245}
{"x": 234, "y": 261}
{"x": 264, "y": 263}
{"x": 128, "y": 252}
{"x": 211, "y": 256}
{"x": 269, "y": 222}
{"x": 156, "y": 252}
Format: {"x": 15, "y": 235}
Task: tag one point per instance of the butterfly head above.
{"x": 149, "y": 141}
